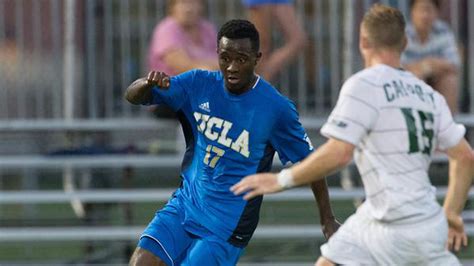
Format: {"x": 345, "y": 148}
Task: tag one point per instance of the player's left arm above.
{"x": 450, "y": 139}
{"x": 327, "y": 220}
{"x": 461, "y": 174}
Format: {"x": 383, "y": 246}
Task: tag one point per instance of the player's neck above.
{"x": 388, "y": 58}
{"x": 251, "y": 84}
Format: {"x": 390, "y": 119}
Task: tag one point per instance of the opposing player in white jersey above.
{"x": 391, "y": 123}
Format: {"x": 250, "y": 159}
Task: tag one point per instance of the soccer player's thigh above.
{"x": 431, "y": 238}
{"x": 421, "y": 243}
{"x": 211, "y": 251}
{"x": 164, "y": 236}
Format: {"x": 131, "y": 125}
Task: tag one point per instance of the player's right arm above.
{"x": 140, "y": 91}
{"x": 461, "y": 174}
{"x": 345, "y": 129}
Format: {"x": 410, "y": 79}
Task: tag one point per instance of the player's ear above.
{"x": 405, "y": 43}
{"x": 258, "y": 57}
{"x": 364, "y": 42}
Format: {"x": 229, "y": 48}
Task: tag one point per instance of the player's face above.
{"x": 237, "y": 61}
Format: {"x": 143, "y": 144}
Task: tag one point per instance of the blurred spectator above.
{"x": 183, "y": 40}
{"x": 432, "y": 53}
{"x": 25, "y": 81}
{"x": 266, "y": 13}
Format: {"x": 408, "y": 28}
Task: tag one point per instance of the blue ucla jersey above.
{"x": 229, "y": 137}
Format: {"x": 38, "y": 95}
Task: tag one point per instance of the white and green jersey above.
{"x": 396, "y": 121}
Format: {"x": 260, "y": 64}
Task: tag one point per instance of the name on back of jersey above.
{"x": 217, "y": 129}
{"x": 397, "y": 89}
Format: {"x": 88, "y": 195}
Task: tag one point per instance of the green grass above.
{"x": 49, "y": 251}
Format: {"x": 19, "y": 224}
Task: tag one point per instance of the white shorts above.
{"x": 365, "y": 241}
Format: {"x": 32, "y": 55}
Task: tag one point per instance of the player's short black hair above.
{"x": 437, "y": 3}
{"x": 240, "y": 29}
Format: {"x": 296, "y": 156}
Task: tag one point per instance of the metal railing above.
{"x": 162, "y": 195}
{"x": 109, "y": 233}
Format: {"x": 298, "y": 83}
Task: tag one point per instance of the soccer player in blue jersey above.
{"x": 234, "y": 121}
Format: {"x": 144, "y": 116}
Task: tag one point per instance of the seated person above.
{"x": 432, "y": 52}
{"x": 183, "y": 40}
{"x": 265, "y": 14}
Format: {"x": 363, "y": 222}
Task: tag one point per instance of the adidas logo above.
{"x": 205, "y": 106}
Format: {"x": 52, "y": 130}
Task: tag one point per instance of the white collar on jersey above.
{"x": 256, "y": 82}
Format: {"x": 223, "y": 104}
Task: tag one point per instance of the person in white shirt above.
{"x": 390, "y": 122}
{"x": 432, "y": 52}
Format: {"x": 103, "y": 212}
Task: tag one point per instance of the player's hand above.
{"x": 330, "y": 226}
{"x": 256, "y": 185}
{"x": 157, "y": 78}
{"x": 456, "y": 235}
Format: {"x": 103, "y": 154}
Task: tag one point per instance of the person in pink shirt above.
{"x": 183, "y": 40}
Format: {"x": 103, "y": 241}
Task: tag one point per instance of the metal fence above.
{"x": 73, "y": 59}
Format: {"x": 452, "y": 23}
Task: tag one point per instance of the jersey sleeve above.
{"x": 355, "y": 113}
{"x": 178, "y": 92}
{"x": 289, "y": 138}
{"x": 450, "y": 133}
